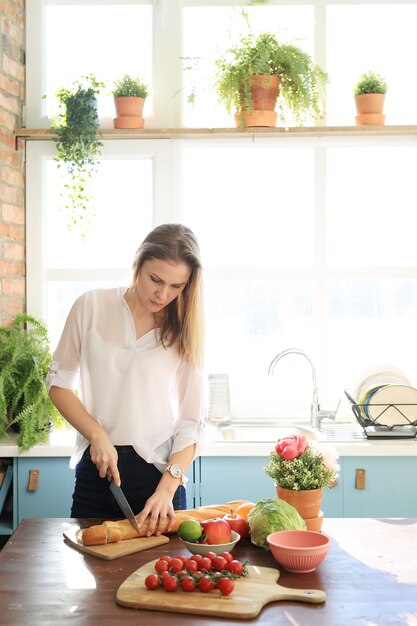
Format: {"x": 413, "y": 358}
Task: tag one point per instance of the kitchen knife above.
{"x": 124, "y": 504}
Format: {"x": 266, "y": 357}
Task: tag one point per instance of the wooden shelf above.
{"x": 46, "y": 134}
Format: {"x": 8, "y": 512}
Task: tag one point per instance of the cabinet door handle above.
{"x": 33, "y": 480}
{"x": 360, "y": 479}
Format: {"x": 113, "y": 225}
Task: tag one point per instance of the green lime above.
{"x": 190, "y": 530}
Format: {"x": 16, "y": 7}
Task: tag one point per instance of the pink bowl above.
{"x": 298, "y": 551}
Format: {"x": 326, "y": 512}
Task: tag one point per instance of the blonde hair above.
{"x": 183, "y": 319}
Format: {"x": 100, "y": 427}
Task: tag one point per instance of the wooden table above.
{"x": 370, "y": 577}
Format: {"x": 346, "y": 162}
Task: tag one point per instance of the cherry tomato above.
{"x": 187, "y": 583}
{"x": 191, "y": 565}
{"x": 181, "y": 574}
{"x": 197, "y": 558}
{"x": 166, "y": 558}
{"x": 170, "y": 583}
{"x": 183, "y": 558}
{"x": 164, "y": 575}
{"x": 225, "y": 586}
{"x": 206, "y": 563}
{"x": 227, "y": 556}
{"x": 161, "y": 566}
{"x": 205, "y": 584}
{"x": 176, "y": 565}
{"x": 210, "y": 555}
{"x": 216, "y": 577}
{"x": 152, "y": 581}
{"x": 219, "y": 562}
{"x": 235, "y": 567}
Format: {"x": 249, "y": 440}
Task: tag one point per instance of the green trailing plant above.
{"x": 78, "y": 147}
{"x": 302, "y": 82}
{"x": 130, "y": 86}
{"x": 25, "y": 359}
{"x": 370, "y": 82}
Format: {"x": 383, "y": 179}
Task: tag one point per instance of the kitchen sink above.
{"x": 261, "y": 432}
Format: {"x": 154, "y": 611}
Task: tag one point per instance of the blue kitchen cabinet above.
{"x": 53, "y": 496}
{"x": 390, "y": 486}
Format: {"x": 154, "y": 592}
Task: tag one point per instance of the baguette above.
{"x": 110, "y": 532}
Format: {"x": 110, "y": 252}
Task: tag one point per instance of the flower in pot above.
{"x": 369, "y": 95}
{"x": 301, "y": 471}
{"x": 129, "y": 98}
{"x": 261, "y": 66}
{"x": 25, "y": 358}
{"x": 78, "y": 146}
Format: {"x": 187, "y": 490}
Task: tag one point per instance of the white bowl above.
{"x": 218, "y": 548}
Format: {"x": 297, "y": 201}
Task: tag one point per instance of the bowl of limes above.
{"x": 191, "y": 532}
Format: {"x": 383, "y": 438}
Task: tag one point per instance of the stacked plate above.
{"x": 386, "y": 397}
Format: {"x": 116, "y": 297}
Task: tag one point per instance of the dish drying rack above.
{"x": 375, "y": 430}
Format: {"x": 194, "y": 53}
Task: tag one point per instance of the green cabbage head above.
{"x": 269, "y": 515}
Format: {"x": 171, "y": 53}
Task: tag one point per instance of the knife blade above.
{"x": 124, "y": 505}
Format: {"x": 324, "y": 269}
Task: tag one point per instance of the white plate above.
{"x": 402, "y": 396}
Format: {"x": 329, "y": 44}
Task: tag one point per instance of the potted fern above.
{"x": 129, "y": 98}
{"x": 25, "y": 358}
{"x": 262, "y": 66}
{"x": 78, "y": 147}
{"x": 369, "y": 95}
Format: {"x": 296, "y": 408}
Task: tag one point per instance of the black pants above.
{"x": 92, "y": 496}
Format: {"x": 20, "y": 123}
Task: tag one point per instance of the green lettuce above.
{"x": 269, "y": 515}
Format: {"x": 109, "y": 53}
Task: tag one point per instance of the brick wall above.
{"x": 12, "y": 180}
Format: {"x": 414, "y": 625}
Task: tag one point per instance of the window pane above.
{"x": 241, "y": 201}
{"x": 123, "y": 204}
{"x": 372, "y": 206}
{"x": 106, "y": 40}
{"x": 385, "y": 42}
{"x": 209, "y": 31}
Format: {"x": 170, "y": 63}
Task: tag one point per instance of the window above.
{"x": 306, "y": 242}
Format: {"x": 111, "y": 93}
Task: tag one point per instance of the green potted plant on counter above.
{"x": 260, "y": 73}
{"x": 301, "y": 471}
{"x": 25, "y": 358}
{"x": 78, "y": 147}
{"x": 369, "y": 95}
{"x": 129, "y": 99}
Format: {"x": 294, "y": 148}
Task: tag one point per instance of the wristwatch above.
{"x": 176, "y": 471}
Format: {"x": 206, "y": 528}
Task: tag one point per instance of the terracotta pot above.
{"x": 264, "y": 94}
{"x": 369, "y": 107}
{"x": 315, "y": 523}
{"x": 129, "y": 105}
{"x": 306, "y": 502}
{"x": 126, "y": 121}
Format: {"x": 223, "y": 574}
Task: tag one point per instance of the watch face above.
{"x": 176, "y": 470}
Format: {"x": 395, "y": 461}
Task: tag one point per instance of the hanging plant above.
{"x": 78, "y": 148}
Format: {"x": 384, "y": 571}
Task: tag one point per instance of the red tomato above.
{"x": 197, "y": 558}
{"x": 166, "y": 558}
{"x": 227, "y": 556}
{"x": 205, "y": 584}
{"x": 225, "y": 586}
{"x": 161, "y": 566}
{"x": 187, "y": 583}
{"x": 235, "y": 567}
{"x": 164, "y": 575}
{"x": 170, "y": 583}
{"x": 210, "y": 555}
{"x": 183, "y": 558}
{"x": 220, "y": 563}
{"x": 152, "y": 581}
{"x": 206, "y": 563}
{"x": 216, "y": 576}
{"x": 191, "y": 566}
{"x": 176, "y": 565}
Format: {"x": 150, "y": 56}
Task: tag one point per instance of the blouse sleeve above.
{"x": 190, "y": 425}
{"x": 64, "y": 370}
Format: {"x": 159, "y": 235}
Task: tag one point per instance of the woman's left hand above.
{"x": 161, "y": 513}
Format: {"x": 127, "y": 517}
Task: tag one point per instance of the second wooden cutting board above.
{"x": 114, "y": 550}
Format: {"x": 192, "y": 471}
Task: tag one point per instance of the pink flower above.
{"x": 330, "y": 456}
{"x": 288, "y": 448}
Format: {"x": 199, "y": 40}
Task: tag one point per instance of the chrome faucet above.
{"x": 316, "y": 415}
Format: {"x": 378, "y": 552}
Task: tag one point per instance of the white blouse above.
{"x": 141, "y": 393}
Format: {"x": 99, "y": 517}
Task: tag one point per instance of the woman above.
{"x": 135, "y": 354}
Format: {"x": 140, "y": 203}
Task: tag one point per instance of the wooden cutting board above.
{"x": 114, "y": 550}
{"x": 250, "y": 594}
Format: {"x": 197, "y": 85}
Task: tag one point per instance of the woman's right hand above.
{"x": 104, "y": 456}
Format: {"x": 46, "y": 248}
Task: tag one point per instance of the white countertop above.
{"x": 61, "y": 444}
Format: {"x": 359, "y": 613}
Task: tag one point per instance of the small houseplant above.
{"x": 296, "y": 83}
{"x": 78, "y": 145}
{"x": 369, "y": 93}
{"x": 300, "y": 472}
{"x": 25, "y": 359}
{"x": 129, "y": 98}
